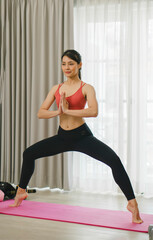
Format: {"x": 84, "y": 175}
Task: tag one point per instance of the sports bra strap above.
{"x": 82, "y": 84}
{"x": 59, "y": 86}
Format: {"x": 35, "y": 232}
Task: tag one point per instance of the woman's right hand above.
{"x": 60, "y": 107}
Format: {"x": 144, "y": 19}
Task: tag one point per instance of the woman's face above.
{"x": 70, "y": 67}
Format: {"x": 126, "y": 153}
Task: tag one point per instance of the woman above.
{"x": 73, "y": 133}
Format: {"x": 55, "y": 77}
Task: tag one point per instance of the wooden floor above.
{"x": 14, "y": 228}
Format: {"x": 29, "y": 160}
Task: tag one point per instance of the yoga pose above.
{"x": 73, "y": 133}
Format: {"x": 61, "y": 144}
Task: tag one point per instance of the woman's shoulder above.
{"x": 88, "y": 86}
{"x": 88, "y": 90}
{"x": 55, "y": 87}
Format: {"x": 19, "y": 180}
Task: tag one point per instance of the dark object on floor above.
{"x": 9, "y": 191}
{"x": 150, "y": 231}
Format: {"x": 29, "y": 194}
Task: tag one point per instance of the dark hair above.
{"x": 74, "y": 55}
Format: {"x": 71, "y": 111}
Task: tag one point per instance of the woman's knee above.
{"x": 27, "y": 154}
{"x": 115, "y": 161}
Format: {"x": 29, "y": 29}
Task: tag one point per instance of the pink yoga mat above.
{"x": 76, "y": 214}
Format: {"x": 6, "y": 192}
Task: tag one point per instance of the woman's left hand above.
{"x": 64, "y": 103}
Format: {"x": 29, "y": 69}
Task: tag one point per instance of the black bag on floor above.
{"x": 9, "y": 191}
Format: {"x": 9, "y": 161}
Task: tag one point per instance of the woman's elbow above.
{"x": 39, "y": 114}
{"x": 95, "y": 113}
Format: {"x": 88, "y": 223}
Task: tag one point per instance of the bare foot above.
{"x": 20, "y": 196}
{"x": 133, "y": 208}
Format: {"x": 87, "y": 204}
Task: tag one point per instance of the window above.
{"x": 116, "y": 44}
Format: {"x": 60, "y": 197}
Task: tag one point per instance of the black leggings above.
{"x": 82, "y": 140}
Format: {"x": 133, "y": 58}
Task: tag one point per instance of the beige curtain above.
{"x": 33, "y": 36}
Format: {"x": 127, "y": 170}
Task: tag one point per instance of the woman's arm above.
{"x": 43, "y": 111}
{"x": 91, "y": 111}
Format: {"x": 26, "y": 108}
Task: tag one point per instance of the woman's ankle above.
{"x": 133, "y": 202}
{"x": 21, "y": 190}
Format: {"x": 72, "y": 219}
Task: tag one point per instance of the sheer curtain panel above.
{"x": 33, "y": 36}
{"x": 115, "y": 39}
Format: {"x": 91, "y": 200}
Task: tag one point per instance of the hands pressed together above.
{"x": 63, "y": 104}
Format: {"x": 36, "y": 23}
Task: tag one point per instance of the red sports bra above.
{"x": 76, "y": 101}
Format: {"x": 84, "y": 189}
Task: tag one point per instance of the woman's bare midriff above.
{"x": 69, "y": 122}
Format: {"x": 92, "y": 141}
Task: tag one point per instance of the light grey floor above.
{"x": 14, "y": 228}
